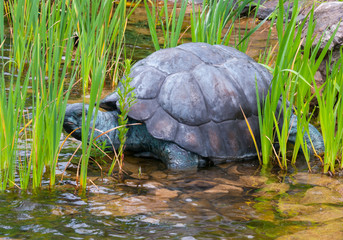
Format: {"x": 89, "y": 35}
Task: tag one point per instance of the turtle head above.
{"x": 105, "y": 122}
{"x": 73, "y": 119}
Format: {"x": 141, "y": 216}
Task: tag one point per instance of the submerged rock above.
{"x": 315, "y": 179}
{"x": 271, "y": 190}
{"x": 294, "y": 209}
{"x": 323, "y": 215}
{"x": 166, "y": 193}
{"x": 253, "y": 181}
{"x": 270, "y": 6}
{"x": 321, "y": 195}
{"x": 329, "y": 231}
{"x": 224, "y": 188}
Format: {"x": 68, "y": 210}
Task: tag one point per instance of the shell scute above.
{"x": 147, "y": 82}
{"x": 172, "y": 60}
{"x": 143, "y": 109}
{"x": 221, "y": 92}
{"x": 161, "y": 125}
{"x": 192, "y": 95}
{"x": 206, "y": 52}
{"x": 182, "y": 98}
{"x": 213, "y": 140}
{"x": 190, "y": 137}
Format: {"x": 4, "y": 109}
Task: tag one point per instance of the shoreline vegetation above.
{"x": 45, "y": 62}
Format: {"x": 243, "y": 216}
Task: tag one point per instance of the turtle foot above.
{"x": 179, "y": 159}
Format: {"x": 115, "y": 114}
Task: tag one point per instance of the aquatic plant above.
{"x": 41, "y": 54}
{"x": 330, "y": 105}
{"x": 103, "y": 32}
{"x": 293, "y": 76}
{"x": 209, "y": 24}
{"x": 126, "y": 100}
{"x": 45, "y": 61}
{"x": 170, "y": 25}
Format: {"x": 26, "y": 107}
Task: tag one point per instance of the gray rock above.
{"x": 304, "y": 7}
{"x": 328, "y": 17}
{"x": 268, "y": 7}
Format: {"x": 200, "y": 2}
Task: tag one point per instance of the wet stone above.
{"x": 323, "y": 215}
{"x": 166, "y": 193}
{"x": 321, "y": 195}
{"x": 265, "y": 211}
{"x": 152, "y": 185}
{"x": 140, "y": 176}
{"x": 228, "y": 182}
{"x": 225, "y": 165}
{"x": 223, "y": 188}
{"x": 202, "y": 184}
{"x": 331, "y": 231}
{"x": 233, "y": 170}
{"x": 253, "y": 181}
{"x": 210, "y": 196}
{"x": 271, "y": 190}
{"x": 338, "y": 188}
{"x": 293, "y": 209}
{"x": 158, "y": 175}
{"x": 57, "y": 212}
{"x": 239, "y": 211}
{"x": 132, "y": 206}
{"x": 315, "y": 179}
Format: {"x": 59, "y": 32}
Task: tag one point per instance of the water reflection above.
{"x": 230, "y": 201}
{"x": 159, "y": 204}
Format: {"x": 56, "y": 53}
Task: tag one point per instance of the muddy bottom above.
{"x": 230, "y": 201}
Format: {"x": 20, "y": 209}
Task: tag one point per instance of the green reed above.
{"x": 169, "y": 23}
{"x": 215, "y": 22}
{"x": 42, "y": 54}
{"x": 101, "y": 28}
{"x": 2, "y": 25}
{"x": 12, "y": 103}
{"x": 330, "y": 115}
{"x": 293, "y": 75}
{"x": 126, "y": 100}
{"x": 45, "y": 63}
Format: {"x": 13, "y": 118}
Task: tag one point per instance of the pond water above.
{"x": 229, "y": 201}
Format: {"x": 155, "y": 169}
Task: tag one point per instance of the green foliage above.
{"x": 170, "y": 25}
{"x": 41, "y": 56}
{"x": 209, "y": 24}
{"x": 293, "y": 75}
{"x": 44, "y": 56}
{"x": 126, "y": 100}
{"x": 330, "y": 115}
{"x": 98, "y": 34}
{"x": 215, "y": 23}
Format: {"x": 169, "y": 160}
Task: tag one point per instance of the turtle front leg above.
{"x": 173, "y": 156}
{"x": 315, "y": 137}
{"x": 179, "y": 159}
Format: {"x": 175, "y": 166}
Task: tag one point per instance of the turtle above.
{"x": 190, "y": 101}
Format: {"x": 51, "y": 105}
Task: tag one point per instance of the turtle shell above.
{"x": 193, "y": 94}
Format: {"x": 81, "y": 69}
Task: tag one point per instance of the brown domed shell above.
{"x": 192, "y": 94}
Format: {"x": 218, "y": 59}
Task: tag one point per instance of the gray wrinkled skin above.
{"x": 316, "y": 138}
{"x": 138, "y": 139}
{"x": 188, "y": 101}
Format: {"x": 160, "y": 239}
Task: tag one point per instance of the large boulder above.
{"x": 328, "y": 17}
{"x": 268, "y": 7}
{"x": 305, "y": 6}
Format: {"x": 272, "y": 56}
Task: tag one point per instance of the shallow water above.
{"x": 230, "y": 201}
